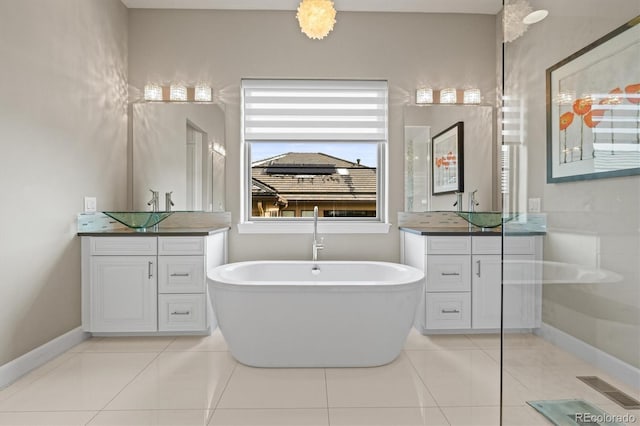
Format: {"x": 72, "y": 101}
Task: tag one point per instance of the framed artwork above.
{"x": 593, "y": 109}
{"x": 447, "y": 165}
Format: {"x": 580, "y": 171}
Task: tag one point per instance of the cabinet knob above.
{"x": 180, "y": 275}
{"x": 181, "y": 313}
{"x": 449, "y": 274}
{"x": 450, "y": 311}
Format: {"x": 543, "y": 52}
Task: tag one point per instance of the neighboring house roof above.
{"x": 313, "y": 176}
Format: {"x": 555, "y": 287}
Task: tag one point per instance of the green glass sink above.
{"x": 485, "y": 219}
{"x": 139, "y": 220}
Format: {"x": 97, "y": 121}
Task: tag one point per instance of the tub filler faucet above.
{"x": 316, "y": 245}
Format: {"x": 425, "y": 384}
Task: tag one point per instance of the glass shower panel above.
{"x": 570, "y": 346}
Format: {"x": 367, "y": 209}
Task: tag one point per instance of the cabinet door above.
{"x": 521, "y": 284}
{"x": 485, "y": 291}
{"x": 123, "y": 294}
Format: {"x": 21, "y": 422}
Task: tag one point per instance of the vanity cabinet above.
{"x": 148, "y": 284}
{"x": 464, "y": 281}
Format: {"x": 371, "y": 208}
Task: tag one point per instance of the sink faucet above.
{"x": 316, "y": 246}
{"x": 472, "y": 201}
{"x": 154, "y": 202}
{"x": 167, "y": 201}
{"x": 458, "y": 203}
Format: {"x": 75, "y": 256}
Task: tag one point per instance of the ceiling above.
{"x": 491, "y": 7}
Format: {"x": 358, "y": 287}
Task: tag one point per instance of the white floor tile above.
{"x": 215, "y": 342}
{"x": 178, "y": 380}
{"x": 416, "y": 416}
{"x": 43, "y": 418}
{"x": 275, "y": 388}
{"x": 86, "y": 381}
{"x": 417, "y": 341}
{"x": 523, "y": 416}
{"x": 126, "y": 344}
{"x": 393, "y": 385}
{"x": 34, "y": 375}
{"x": 510, "y": 340}
{"x": 269, "y": 417}
{"x": 472, "y": 416}
{"x": 151, "y": 418}
{"x": 459, "y": 378}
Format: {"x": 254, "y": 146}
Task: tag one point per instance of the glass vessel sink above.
{"x": 485, "y": 220}
{"x": 139, "y": 221}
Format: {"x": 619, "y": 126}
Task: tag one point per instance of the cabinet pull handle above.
{"x": 150, "y": 270}
{"x": 180, "y": 312}
{"x": 180, "y": 275}
{"x": 448, "y": 274}
{"x": 478, "y": 262}
{"x": 450, "y": 311}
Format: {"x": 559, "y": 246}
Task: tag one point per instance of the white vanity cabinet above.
{"x": 148, "y": 284}
{"x": 464, "y": 281}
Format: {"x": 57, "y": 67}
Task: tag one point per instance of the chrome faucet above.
{"x": 472, "y": 201}
{"x": 168, "y": 203}
{"x": 316, "y": 245}
{"x": 458, "y": 203}
{"x": 154, "y": 202}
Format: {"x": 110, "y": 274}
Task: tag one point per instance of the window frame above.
{"x": 249, "y": 224}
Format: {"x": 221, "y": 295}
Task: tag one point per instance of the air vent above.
{"x": 616, "y": 395}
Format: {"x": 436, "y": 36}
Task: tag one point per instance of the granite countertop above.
{"x": 462, "y": 231}
{"x": 150, "y": 232}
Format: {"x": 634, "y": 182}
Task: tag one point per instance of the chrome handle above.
{"x": 180, "y": 275}
{"x": 150, "y": 274}
{"x": 451, "y": 311}
{"x": 180, "y": 312}
{"x": 478, "y": 273}
{"x": 448, "y": 274}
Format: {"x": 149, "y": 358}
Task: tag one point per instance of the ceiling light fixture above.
{"x": 517, "y": 15}
{"x": 316, "y": 18}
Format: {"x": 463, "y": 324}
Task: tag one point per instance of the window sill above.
{"x": 307, "y": 228}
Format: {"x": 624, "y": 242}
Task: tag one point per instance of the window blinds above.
{"x": 315, "y": 110}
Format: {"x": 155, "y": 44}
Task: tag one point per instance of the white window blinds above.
{"x": 315, "y": 110}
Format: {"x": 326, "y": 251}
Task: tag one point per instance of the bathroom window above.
{"x": 313, "y": 143}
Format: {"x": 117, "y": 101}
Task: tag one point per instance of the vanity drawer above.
{"x": 123, "y": 246}
{"x": 448, "y": 273}
{"x": 448, "y": 310}
{"x": 519, "y": 245}
{"x": 448, "y": 245}
{"x": 179, "y": 246}
{"x": 486, "y": 245}
{"x": 181, "y": 312}
{"x": 181, "y": 274}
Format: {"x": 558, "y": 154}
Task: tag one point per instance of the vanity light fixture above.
{"x": 316, "y": 18}
{"x": 448, "y": 96}
{"x": 424, "y": 95}
{"x": 202, "y": 93}
{"x": 152, "y": 92}
{"x": 471, "y": 96}
{"x": 178, "y": 92}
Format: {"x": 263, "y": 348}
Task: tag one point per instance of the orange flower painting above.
{"x": 565, "y": 121}
{"x": 633, "y": 96}
{"x": 582, "y": 106}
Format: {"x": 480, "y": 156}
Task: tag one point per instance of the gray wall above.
{"x": 593, "y": 223}
{"x": 63, "y": 136}
{"x": 408, "y": 50}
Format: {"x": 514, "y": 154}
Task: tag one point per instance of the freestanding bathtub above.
{"x": 322, "y": 314}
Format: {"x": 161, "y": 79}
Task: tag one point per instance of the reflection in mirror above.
{"x": 179, "y": 149}
{"x": 420, "y": 124}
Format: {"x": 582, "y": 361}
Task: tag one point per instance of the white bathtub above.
{"x": 283, "y": 314}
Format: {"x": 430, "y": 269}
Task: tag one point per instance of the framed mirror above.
{"x": 178, "y": 148}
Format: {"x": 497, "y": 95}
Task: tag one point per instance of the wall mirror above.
{"x": 179, "y": 148}
{"x": 421, "y": 124}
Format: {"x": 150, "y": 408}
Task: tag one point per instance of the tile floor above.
{"x": 437, "y": 380}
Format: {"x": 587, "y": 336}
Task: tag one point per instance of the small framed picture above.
{"x": 447, "y": 163}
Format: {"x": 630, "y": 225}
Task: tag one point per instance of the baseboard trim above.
{"x": 611, "y": 365}
{"x": 13, "y": 370}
